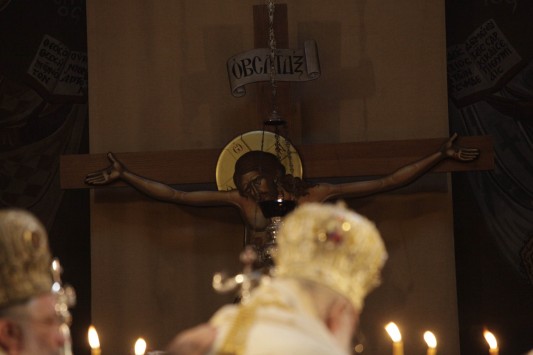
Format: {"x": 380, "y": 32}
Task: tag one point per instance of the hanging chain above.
{"x": 289, "y": 155}
{"x": 275, "y": 117}
{"x": 272, "y": 44}
{"x": 273, "y": 72}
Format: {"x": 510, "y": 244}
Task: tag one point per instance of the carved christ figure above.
{"x": 260, "y": 176}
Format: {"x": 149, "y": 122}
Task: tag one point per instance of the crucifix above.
{"x": 396, "y": 163}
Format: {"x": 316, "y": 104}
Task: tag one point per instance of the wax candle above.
{"x": 140, "y": 346}
{"x": 396, "y": 336}
{"x": 431, "y": 341}
{"x": 94, "y": 342}
{"x": 491, "y": 340}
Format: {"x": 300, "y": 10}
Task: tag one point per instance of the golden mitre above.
{"x": 332, "y": 246}
{"x": 24, "y": 257}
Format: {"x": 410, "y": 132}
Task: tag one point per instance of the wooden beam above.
{"x": 382, "y": 158}
{"x": 319, "y": 161}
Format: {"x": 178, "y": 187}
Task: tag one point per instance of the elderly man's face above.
{"x": 40, "y": 327}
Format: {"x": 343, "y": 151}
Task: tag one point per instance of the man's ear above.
{"x": 341, "y": 321}
{"x": 335, "y": 318}
{"x": 10, "y": 336}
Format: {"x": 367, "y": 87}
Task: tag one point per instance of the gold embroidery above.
{"x": 235, "y": 342}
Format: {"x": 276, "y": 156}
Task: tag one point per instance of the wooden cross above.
{"x": 320, "y": 161}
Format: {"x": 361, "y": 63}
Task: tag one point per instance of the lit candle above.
{"x": 491, "y": 340}
{"x": 94, "y": 342}
{"x": 140, "y": 346}
{"x": 396, "y": 336}
{"x": 431, "y": 341}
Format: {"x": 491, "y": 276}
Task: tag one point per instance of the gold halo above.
{"x": 247, "y": 142}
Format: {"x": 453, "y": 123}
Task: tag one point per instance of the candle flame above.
{"x": 56, "y": 287}
{"x": 140, "y": 346}
{"x": 491, "y": 339}
{"x": 55, "y": 265}
{"x": 394, "y": 332}
{"x": 94, "y": 342}
{"x": 430, "y": 339}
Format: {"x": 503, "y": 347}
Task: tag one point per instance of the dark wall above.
{"x": 492, "y": 211}
{"x": 43, "y": 114}
{"x": 70, "y": 242}
{"x": 490, "y": 293}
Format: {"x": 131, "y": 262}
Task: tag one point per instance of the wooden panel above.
{"x": 381, "y": 158}
{"x": 320, "y": 161}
